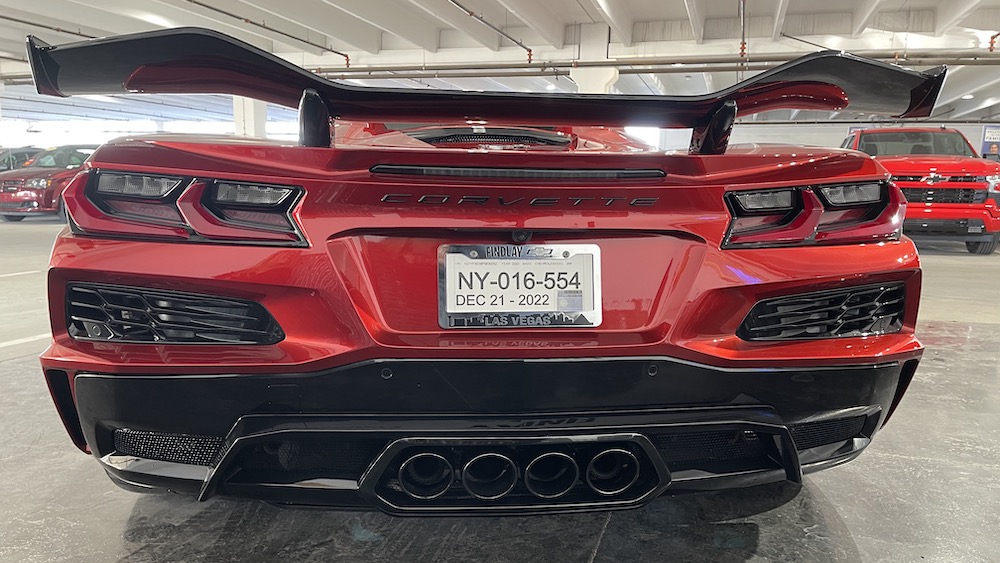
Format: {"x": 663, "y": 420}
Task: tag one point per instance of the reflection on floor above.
{"x": 927, "y": 489}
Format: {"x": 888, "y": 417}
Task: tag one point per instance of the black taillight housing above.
{"x": 823, "y": 214}
{"x": 110, "y": 202}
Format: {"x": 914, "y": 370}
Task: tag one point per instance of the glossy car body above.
{"x": 246, "y": 317}
{"x": 952, "y": 193}
{"x": 34, "y": 188}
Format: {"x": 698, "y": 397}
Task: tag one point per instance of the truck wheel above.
{"x": 13, "y": 218}
{"x": 982, "y": 247}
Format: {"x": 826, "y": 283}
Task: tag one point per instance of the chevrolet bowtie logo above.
{"x": 933, "y": 178}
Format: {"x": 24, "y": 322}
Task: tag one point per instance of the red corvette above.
{"x": 952, "y": 194}
{"x": 34, "y": 189}
{"x": 476, "y": 316}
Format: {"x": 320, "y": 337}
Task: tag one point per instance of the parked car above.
{"x": 480, "y": 316}
{"x": 952, "y": 194}
{"x": 11, "y": 159}
{"x": 34, "y": 188}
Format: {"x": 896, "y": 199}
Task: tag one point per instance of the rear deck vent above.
{"x": 854, "y": 311}
{"x": 132, "y": 314}
{"x": 521, "y": 173}
{"x": 176, "y": 448}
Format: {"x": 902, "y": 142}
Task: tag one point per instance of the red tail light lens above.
{"x": 837, "y": 214}
{"x": 183, "y": 208}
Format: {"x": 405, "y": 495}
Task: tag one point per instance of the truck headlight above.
{"x": 994, "y": 182}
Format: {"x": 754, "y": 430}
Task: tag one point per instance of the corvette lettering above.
{"x": 444, "y": 199}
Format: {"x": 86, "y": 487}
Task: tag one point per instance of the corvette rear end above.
{"x": 498, "y": 329}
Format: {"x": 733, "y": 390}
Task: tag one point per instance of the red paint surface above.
{"x": 366, "y": 286}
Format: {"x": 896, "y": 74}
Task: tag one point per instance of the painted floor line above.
{"x": 20, "y": 273}
{"x": 24, "y": 340}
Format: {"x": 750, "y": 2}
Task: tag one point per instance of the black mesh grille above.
{"x": 302, "y": 457}
{"x": 854, "y": 311}
{"x": 812, "y": 434}
{"x": 14, "y": 204}
{"x": 12, "y": 185}
{"x": 706, "y": 450}
{"x": 177, "y": 448}
{"x": 944, "y": 195}
{"x": 133, "y": 314}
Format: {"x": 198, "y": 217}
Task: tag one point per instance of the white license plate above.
{"x": 504, "y": 286}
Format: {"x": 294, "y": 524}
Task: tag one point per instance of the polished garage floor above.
{"x": 927, "y": 490}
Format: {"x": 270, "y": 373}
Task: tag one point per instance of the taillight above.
{"x": 183, "y": 208}
{"x": 835, "y": 214}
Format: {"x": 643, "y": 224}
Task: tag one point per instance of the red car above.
{"x": 34, "y": 188}
{"x": 952, "y": 194}
{"x": 477, "y": 316}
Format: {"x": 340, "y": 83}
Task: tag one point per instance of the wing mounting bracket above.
{"x": 713, "y": 138}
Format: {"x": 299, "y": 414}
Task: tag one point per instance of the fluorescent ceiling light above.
{"x": 968, "y": 97}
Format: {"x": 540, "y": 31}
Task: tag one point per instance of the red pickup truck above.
{"x": 951, "y": 193}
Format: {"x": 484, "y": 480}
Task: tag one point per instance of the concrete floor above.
{"x": 927, "y": 489}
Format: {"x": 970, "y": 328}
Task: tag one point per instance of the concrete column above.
{"x": 594, "y": 79}
{"x": 594, "y": 38}
{"x": 250, "y": 117}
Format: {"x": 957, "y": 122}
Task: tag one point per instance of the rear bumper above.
{"x": 326, "y": 438}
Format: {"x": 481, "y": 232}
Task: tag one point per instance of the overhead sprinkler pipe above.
{"x": 743, "y": 28}
{"x": 347, "y": 58}
{"x": 499, "y": 30}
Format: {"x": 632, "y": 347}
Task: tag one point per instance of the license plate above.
{"x": 519, "y": 286}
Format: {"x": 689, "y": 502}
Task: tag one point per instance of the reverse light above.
{"x": 133, "y": 185}
{"x": 837, "y": 214}
{"x": 249, "y": 194}
{"x": 37, "y": 183}
{"x": 182, "y": 208}
{"x": 774, "y": 200}
{"x": 852, "y": 194}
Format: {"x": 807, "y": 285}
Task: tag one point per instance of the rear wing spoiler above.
{"x": 202, "y": 61}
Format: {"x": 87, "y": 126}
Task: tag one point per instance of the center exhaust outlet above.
{"x": 551, "y": 475}
{"x": 612, "y": 471}
{"x": 426, "y": 476}
{"x": 489, "y": 476}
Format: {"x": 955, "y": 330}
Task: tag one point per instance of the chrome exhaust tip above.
{"x": 489, "y": 476}
{"x": 551, "y": 475}
{"x": 426, "y": 476}
{"x": 612, "y": 471}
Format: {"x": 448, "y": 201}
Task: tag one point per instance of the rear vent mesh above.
{"x": 812, "y": 434}
{"x": 177, "y": 448}
{"x": 854, "y": 311}
{"x": 133, "y": 314}
{"x": 521, "y": 173}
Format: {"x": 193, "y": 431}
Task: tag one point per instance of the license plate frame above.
{"x": 576, "y": 312}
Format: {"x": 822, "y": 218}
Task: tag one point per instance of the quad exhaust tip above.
{"x": 489, "y": 476}
{"x": 612, "y": 471}
{"x": 551, "y": 475}
{"x": 426, "y": 476}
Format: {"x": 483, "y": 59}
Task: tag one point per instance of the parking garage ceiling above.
{"x": 520, "y": 45}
